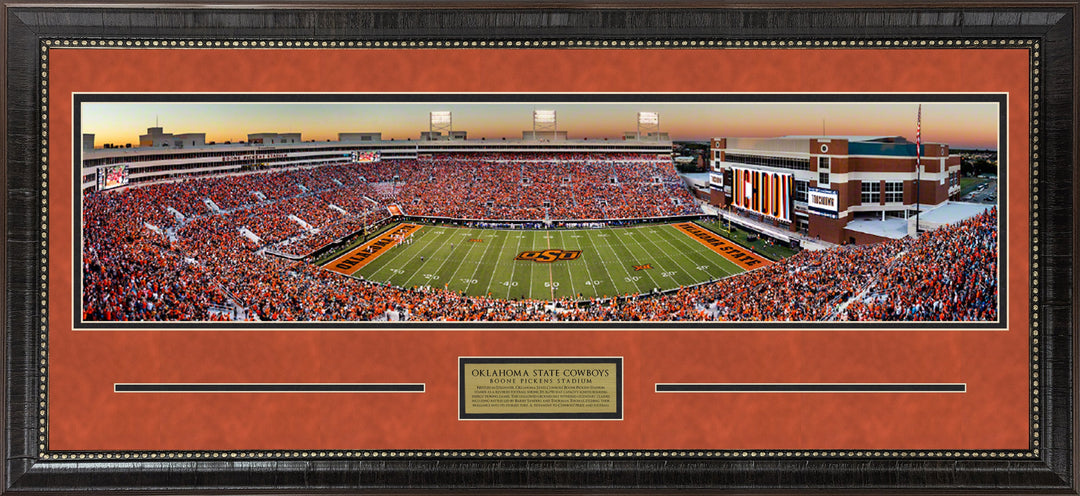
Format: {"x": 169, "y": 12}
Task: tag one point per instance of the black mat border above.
{"x": 999, "y": 98}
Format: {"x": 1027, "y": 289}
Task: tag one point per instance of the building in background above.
{"x": 438, "y": 135}
{"x": 274, "y": 138}
{"x": 354, "y": 137}
{"x": 156, "y": 137}
{"x": 544, "y": 135}
{"x": 841, "y": 189}
{"x": 657, "y": 136}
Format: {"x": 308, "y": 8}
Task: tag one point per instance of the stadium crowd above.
{"x": 541, "y": 186}
{"x": 950, "y": 274}
{"x": 142, "y": 261}
{"x": 131, "y": 272}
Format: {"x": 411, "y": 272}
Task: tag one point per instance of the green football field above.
{"x": 611, "y": 262}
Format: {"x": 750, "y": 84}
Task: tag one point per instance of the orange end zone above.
{"x": 731, "y": 251}
{"x": 365, "y": 253}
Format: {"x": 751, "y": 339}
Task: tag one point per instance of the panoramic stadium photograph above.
{"x": 548, "y": 211}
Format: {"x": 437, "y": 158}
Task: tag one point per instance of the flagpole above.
{"x": 918, "y": 165}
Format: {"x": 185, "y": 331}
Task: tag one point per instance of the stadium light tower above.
{"x": 544, "y": 121}
{"x": 648, "y": 121}
{"x": 441, "y": 122}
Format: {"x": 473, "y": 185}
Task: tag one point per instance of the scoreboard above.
{"x": 112, "y": 176}
{"x": 358, "y": 157}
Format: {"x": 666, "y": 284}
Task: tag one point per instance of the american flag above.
{"x": 918, "y": 138}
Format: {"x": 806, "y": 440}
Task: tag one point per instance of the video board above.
{"x": 112, "y": 176}
{"x": 767, "y": 193}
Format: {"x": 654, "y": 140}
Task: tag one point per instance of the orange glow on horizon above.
{"x": 961, "y": 125}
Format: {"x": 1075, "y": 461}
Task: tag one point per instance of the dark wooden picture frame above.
{"x": 1052, "y": 27}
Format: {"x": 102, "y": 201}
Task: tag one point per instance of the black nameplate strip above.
{"x": 812, "y": 388}
{"x": 267, "y": 388}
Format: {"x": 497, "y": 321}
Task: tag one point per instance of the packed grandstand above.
{"x": 238, "y": 247}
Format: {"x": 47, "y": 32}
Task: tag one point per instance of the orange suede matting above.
{"x": 84, "y": 413}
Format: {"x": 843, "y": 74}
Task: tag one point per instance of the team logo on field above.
{"x": 642, "y": 267}
{"x": 548, "y": 256}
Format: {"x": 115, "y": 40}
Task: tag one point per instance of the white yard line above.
{"x": 569, "y": 274}
{"x": 389, "y": 261}
{"x": 551, "y": 274}
{"x": 681, "y": 267}
{"x": 589, "y": 271}
{"x": 604, "y": 262}
{"x": 495, "y": 269}
{"x": 464, "y": 258}
{"x": 388, "y": 264}
{"x": 513, "y": 267}
{"x": 688, "y": 242}
{"x": 477, "y": 269}
{"x": 420, "y": 270}
{"x": 627, "y": 248}
{"x": 672, "y": 244}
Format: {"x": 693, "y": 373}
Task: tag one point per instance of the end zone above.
{"x": 365, "y": 253}
{"x": 731, "y": 251}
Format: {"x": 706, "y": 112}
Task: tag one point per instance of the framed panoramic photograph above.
{"x": 524, "y": 248}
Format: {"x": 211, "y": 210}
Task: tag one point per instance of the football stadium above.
{"x": 542, "y": 228}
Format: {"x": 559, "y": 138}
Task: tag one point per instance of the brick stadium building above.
{"x": 841, "y": 189}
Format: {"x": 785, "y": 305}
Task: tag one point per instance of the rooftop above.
{"x": 700, "y": 176}
{"x": 896, "y": 228}
{"x": 953, "y": 212}
{"x": 856, "y": 138}
{"x": 424, "y": 144}
{"x": 891, "y": 227}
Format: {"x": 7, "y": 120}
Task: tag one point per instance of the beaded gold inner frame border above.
{"x": 1038, "y": 343}
{"x": 1031, "y": 45}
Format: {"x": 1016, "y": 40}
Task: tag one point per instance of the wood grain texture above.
{"x": 1057, "y": 201}
{"x": 22, "y": 191}
{"x": 1053, "y": 25}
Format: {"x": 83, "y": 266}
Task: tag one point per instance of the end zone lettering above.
{"x": 548, "y": 256}
{"x": 369, "y": 251}
{"x": 356, "y": 258}
{"x": 734, "y": 253}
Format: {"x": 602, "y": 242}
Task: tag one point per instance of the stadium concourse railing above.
{"x": 550, "y": 224}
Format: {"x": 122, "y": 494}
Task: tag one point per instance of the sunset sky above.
{"x": 961, "y": 125}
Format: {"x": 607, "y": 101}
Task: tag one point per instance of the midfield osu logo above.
{"x": 548, "y": 256}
